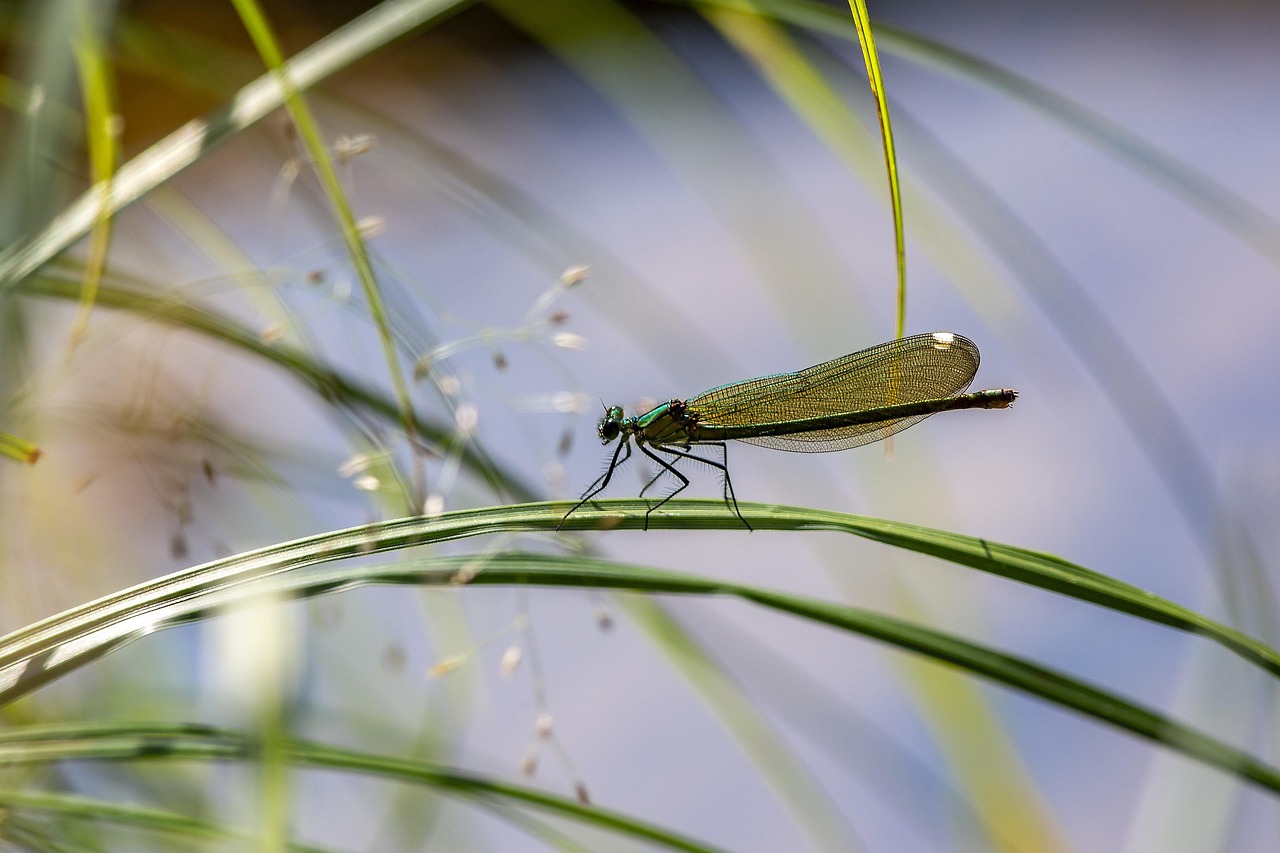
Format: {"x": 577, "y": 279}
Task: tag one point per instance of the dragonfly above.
{"x": 847, "y": 402}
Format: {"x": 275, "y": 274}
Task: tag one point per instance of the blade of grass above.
{"x": 348, "y": 44}
{"x": 550, "y": 239}
{"x": 100, "y": 120}
{"x": 329, "y": 384}
{"x": 309, "y": 131}
{"x": 701, "y": 141}
{"x": 1012, "y": 671}
{"x": 778, "y": 763}
{"x": 1247, "y": 222}
{"x": 819, "y": 98}
{"x": 134, "y": 817}
{"x": 46, "y": 650}
{"x": 34, "y": 655}
{"x": 871, "y": 60}
{"x": 155, "y": 741}
{"x": 785, "y": 65}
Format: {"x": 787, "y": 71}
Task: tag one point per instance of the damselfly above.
{"x": 846, "y": 402}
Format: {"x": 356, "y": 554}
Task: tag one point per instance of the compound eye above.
{"x": 608, "y": 429}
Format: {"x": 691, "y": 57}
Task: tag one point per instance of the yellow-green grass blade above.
{"x": 871, "y": 59}
{"x": 117, "y": 617}
{"x": 816, "y": 815}
{"x": 378, "y": 27}
{"x": 101, "y": 134}
{"x": 784, "y": 66}
{"x": 819, "y": 100}
{"x": 46, "y": 650}
{"x": 95, "y": 812}
{"x": 701, "y": 141}
{"x": 179, "y": 742}
{"x": 260, "y": 31}
{"x": 331, "y": 385}
{"x": 1247, "y": 222}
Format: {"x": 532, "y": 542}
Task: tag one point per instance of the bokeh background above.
{"x": 1091, "y": 195}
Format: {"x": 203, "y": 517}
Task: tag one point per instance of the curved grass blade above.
{"x": 140, "y": 818}
{"x": 50, "y": 648}
{"x": 870, "y": 58}
{"x": 779, "y": 60}
{"x": 255, "y": 23}
{"x": 810, "y": 804}
{"x": 704, "y": 144}
{"x": 379, "y": 26}
{"x": 1249, "y": 223}
{"x": 41, "y": 652}
{"x": 1010, "y": 670}
{"x": 329, "y": 384}
{"x": 153, "y": 741}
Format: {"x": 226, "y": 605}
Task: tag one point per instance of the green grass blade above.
{"x": 156, "y": 741}
{"x": 1010, "y": 670}
{"x": 331, "y": 385}
{"x": 40, "y": 652}
{"x": 795, "y": 80}
{"x": 818, "y": 96}
{"x": 255, "y": 23}
{"x": 871, "y": 59}
{"x": 1250, "y": 224}
{"x": 48, "y": 649}
{"x": 810, "y": 804}
{"x": 702, "y": 143}
{"x": 101, "y": 134}
{"x": 385, "y": 23}
{"x": 142, "y": 818}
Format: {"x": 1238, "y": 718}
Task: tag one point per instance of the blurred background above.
{"x": 580, "y": 202}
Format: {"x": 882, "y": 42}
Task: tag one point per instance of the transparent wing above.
{"x": 922, "y": 367}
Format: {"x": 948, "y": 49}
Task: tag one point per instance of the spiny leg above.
{"x": 602, "y": 482}
{"x": 661, "y": 470}
{"x": 729, "y": 497}
{"x": 667, "y": 466}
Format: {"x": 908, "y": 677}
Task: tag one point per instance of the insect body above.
{"x": 846, "y": 402}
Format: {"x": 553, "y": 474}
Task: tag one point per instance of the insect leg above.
{"x": 601, "y": 482}
{"x": 661, "y": 470}
{"x": 666, "y": 466}
{"x": 730, "y": 498}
